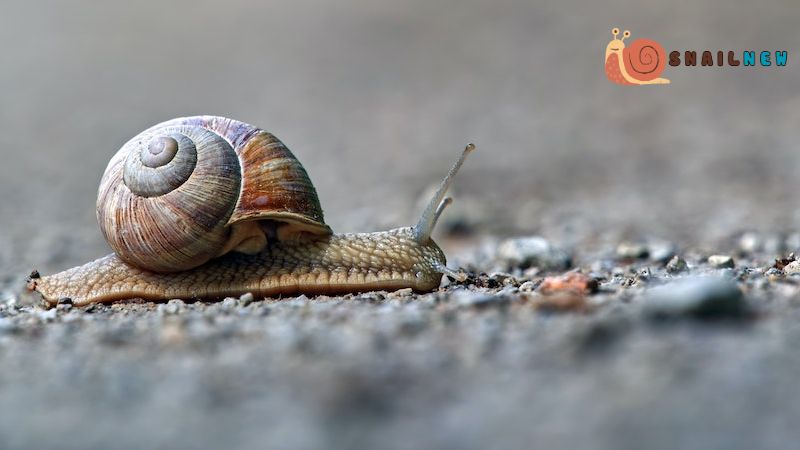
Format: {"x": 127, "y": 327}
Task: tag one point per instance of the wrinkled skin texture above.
{"x": 339, "y": 263}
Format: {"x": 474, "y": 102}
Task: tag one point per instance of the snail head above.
{"x": 617, "y": 45}
{"x": 421, "y": 232}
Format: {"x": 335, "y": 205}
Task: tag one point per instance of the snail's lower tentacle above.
{"x": 334, "y": 264}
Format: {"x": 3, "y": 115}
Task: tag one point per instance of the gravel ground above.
{"x": 622, "y": 351}
{"x": 583, "y": 330}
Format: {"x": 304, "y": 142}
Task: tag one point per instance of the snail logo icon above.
{"x": 640, "y": 62}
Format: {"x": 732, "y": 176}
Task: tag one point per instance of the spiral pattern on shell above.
{"x": 172, "y": 196}
{"x": 644, "y": 59}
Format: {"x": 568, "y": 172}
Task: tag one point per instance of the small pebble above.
{"x": 574, "y": 282}
{"x": 531, "y": 272}
{"x": 504, "y": 278}
{"x": 173, "y": 306}
{"x": 792, "y": 268}
{"x": 531, "y": 251}
{"x": 246, "y": 298}
{"x": 47, "y": 315}
{"x": 405, "y": 292}
{"x": 774, "y": 274}
{"x": 780, "y": 263}
{"x": 676, "y": 265}
{"x": 662, "y": 251}
{"x": 721, "y": 261}
{"x": 527, "y": 286}
{"x": 698, "y": 297}
{"x": 229, "y": 303}
{"x": 631, "y": 250}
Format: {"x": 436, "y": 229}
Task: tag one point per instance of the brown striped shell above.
{"x": 190, "y": 189}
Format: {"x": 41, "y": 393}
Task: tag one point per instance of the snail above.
{"x": 640, "y": 62}
{"x": 207, "y": 207}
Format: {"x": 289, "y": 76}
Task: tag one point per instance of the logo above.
{"x": 639, "y": 62}
{"x": 643, "y": 60}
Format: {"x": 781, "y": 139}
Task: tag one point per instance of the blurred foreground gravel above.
{"x": 638, "y": 346}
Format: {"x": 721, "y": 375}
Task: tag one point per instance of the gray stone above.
{"x": 698, "y": 297}
{"x": 48, "y": 315}
{"x": 174, "y": 306}
{"x": 676, "y": 265}
{"x": 405, "y": 292}
{"x": 792, "y": 268}
{"x": 503, "y": 278}
{"x": 530, "y": 251}
{"x": 246, "y": 298}
{"x": 721, "y": 261}
{"x": 632, "y": 250}
{"x": 662, "y": 251}
{"x": 229, "y": 303}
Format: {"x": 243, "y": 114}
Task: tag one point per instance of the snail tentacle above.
{"x": 424, "y": 227}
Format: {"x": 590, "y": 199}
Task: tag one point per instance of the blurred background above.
{"x": 378, "y": 98}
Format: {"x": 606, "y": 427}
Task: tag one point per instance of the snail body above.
{"x": 639, "y": 62}
{"x": 206, "y": 207}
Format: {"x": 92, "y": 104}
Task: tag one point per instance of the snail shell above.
{"x": 190, "y": 189}
{"x": 644, "y": 59}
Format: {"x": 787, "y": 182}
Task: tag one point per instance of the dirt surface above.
{"x": 634, "y": 349}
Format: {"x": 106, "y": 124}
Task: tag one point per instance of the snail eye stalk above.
{"x": 424, "y": 228}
